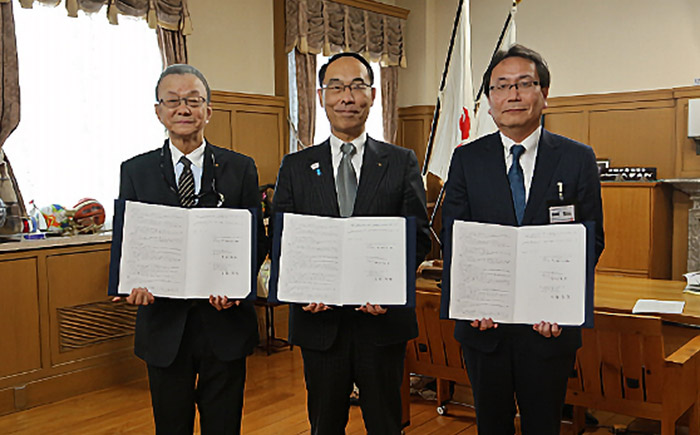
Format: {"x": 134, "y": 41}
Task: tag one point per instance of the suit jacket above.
{"x": 390, "y": 185}
{"x": 478, "y": 190}
{"x": 150, "y": 178}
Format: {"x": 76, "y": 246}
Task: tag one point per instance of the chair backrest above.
{"x": 621, "y": 358}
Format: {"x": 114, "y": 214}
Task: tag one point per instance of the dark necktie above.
{"x": 185, "y": 184}
{"x": 346, "y": 181}
{"x": 517, "y": 182}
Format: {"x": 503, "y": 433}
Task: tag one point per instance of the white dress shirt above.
{"x": 197, "y": 159}
{"x": 527, "y": 159}
{"x": 337, "y": 154}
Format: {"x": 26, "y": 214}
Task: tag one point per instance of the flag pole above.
{"x": 436, "y": 113}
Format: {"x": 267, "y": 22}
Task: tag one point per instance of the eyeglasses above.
{"x": 192, "y": 102}
{"x": 339, "y": 88}
{"x": 524, "y": 85}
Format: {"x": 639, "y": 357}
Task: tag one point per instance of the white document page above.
{"x": 219, "y": 251}
{"x": 518, "y": 274}
{"x": 311, "y": 260}
{"x": 343, "y": 261}
{"x": 186, "y": 253}
{"x": 482, "y": 276}
{"x": 657, "y": 306}
{"x": 551, "y": 274}
{"x": 375, "y": 258}
{"x": 153, "y": 244}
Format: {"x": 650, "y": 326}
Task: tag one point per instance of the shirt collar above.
{"x": 196, "y": 156}
{"x": 530, "y": 142}
{"x": 359, "y": 143}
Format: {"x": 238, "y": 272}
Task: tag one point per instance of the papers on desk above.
{"x": 519, "y": 274}
{"x": 693, "y": 279}
{"x": 182, "y": 253}
{"x": 644, "y": 306}
{"x": 343, "y": 261}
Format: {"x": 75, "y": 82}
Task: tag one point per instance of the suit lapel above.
{"x": 319, "y": 162}
{"x": 548, "y": 156}
{"x": 374, "y": 166}
{"x": 166, "y": 167}
{"x": 494, "y": 163}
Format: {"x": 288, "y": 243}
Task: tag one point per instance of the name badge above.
{"x": 562, "y": 213}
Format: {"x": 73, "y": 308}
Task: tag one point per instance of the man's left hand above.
{"x": 547, "y": 329}
{"x": 374, "y": 310}
{"x": 222, "y": 302}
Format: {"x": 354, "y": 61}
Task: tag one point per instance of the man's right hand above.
{"x": 138, "y": 296}
{"x": 484, "y": 324}
{"x": 316, "y": 307}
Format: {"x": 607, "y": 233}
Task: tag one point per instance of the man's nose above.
{"x": 347, "y": 95}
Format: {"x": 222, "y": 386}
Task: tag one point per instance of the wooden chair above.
{"x": 435, "y": 352}
{"x": 622, "y": 368}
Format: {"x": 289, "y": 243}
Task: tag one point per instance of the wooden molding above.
{"x": 225, "y": 97}
{"x": 610, "y": 98}
{"x": 374, "y": 6}
{"x": 411, "y": 111}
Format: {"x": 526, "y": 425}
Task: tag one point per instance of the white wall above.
{"x": 592, "y": 46}
{"x": 232, "y": 44}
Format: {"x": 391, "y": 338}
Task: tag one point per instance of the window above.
{"x": 373, "y": 127}
{"x": 87, "y": 95}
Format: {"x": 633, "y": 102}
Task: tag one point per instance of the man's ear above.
{"x": 320, "y": 97}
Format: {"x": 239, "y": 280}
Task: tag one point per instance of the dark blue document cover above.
{"x": 410, "y": 259}
{"x": 590, "y": 271}
{"x": 118, "y": 237}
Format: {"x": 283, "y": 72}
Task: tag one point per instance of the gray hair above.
{"x": 181, "y": 69}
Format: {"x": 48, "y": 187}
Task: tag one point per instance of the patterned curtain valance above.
{"x": 330, "y": 27}
{"x": 168, "y": 14}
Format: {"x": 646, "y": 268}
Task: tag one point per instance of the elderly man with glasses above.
{"x": 195, "y": 350}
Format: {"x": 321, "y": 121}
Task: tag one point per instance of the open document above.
{"x": 343, "y": 261}
{"x": 182, "y": 253}
{"x": 518, "y": 274}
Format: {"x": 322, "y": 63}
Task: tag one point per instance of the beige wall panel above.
{"x": 257, "y": 134}
{"x": 573, "y": 125}
{"x": 218, "y": 130}
{"x": 232, "y": 44}
{"x": 637, "y": 137}
{"x": 19, "y": 317}
{"x": 627, "y": 238}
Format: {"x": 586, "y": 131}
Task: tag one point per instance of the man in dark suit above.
{"x": 342, "y": 345}
{"x": 512, "y": 177}
{"x": 195, "y": 349}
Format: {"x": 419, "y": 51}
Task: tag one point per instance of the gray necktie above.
{"x": 346, "y": 181}
{"x": 185, "y": 184}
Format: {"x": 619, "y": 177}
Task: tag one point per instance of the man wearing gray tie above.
{"x": 351, "y": 174}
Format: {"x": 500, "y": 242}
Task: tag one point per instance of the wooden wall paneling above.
{"x": 638, "y": 136}
{"x": 259, "y": 134}
{"x": 20, "y": 341}
{"x": 218, "y": 131}
{"x": 254, "y": 125}
{"x": 661, "y": 229}
{"x": 76, "y": 279}
{"x": 573, "y": 125}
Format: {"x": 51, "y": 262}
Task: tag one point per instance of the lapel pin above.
{"x": 379, "y": 164}
{"x": 315, "y": 166}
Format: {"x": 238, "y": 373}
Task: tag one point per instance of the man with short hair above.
{"x": 195, "y": 349}
{"x": 351, "y": 174}
{"x": 512, "y": 177}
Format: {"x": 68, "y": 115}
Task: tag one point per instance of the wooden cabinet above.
{"x": 638, "y": 229}
{"x": 62, "y": 335}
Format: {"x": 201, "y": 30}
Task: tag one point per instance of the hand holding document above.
{"x": 183, "y": 253}
{"x": 518, "y": 274}
{"x": 342, "y": 261}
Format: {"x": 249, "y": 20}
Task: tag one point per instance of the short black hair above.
{"x": 182, "y": 69}
{"x": 322, "y": 71}
{"x": 518, "y": 50}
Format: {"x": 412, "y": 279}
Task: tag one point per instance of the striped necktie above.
{"x": 346, "y": 181}
{"x": 185, "y": 184}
